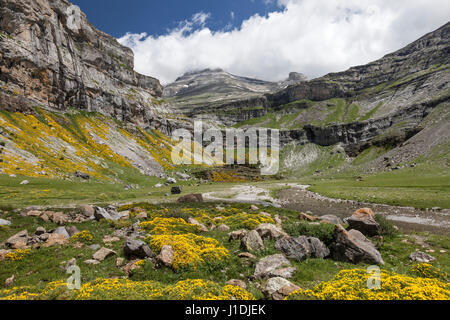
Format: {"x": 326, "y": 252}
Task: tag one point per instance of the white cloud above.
{"x": 309, "y": 36}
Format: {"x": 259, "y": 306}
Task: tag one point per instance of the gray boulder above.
{"x": 273, "y": 266}
{"x": 352, "y": 246}
{"x": 110, "y": 214}
{"x": 62, "y": 231}
{"x": 252, "y": 242}
{"x": 422, "y": 257}
{"x": 137, "y": 249}
{"x": 302, "y": 247}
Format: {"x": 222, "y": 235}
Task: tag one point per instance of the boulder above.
{"x": 270, "y": 231}
{"x": 5, "y": 222}
{"x": 301, "y": 248}
{"x": 352, "y": 246}
{"x": 197, "y": 197}
{"x": 166, "y": 255}
{"x": 331, "y": 219}
{"x": 40, "y": 231}
{"x": 364, "y": 221}
{"x": 55, "y": 239}
{"x": 137, "y": 249}
{"x": 278, "y": 288}
{"x": 86, "y": 210}
{"x": 268, "y": 265}
{"x": 237, "y": 235}
{"x": 101, "y": 213}
{"x": 171, "y": 181}
{"x": 175, "y": 190}
{"x": 18, "y": 241}
{"x": 103, "y": 253}
{"x": 82, "y": 175}
{"x": 62, "y": 231}
{"x": 223, "y": 228}
{"x": 252, "y": 242}
{"x": 422, "y": 257}
{"x": 72, "y": 230}
{"x": 203, "y": 228}
{"x": 56, "y": 217}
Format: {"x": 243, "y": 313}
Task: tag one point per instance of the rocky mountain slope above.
{"x": 223, "y": 98}
{"x": 46, "y": 61}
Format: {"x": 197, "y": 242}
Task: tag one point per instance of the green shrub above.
{"x": 387, "y": 228}
{"x": 322, "y": 231}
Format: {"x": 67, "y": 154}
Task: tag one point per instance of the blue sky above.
{"x": 263, "y": 39}
{"x": 117, "y": 17}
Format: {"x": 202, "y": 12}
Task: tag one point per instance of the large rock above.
{"x": 101, "y": 213}
{"x": 18, "y": 241}
{"x": 270, "y": 231}
{"x": 252, "y": 242}
{"x": 270, "y": 266}
{"x": 55, "y": 239}
{"x": 197, "y": 197}
{"x": 278, "y": 288}
{"x": 352, "y": 246}
{"x": 238, "y": 234}
{"x": 62, "y": 231}
{"x": 57, "y": 217}
{"x": 166, "y": 255}
{"x": 302, "y": 247}
{"x": 86, "y": 210}
{"x": 364, "y": 221}
{"x": 137, "y": 249}
{"x": 175, "y": 190}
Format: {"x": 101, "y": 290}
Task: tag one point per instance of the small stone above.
{"x": 10, "y": 281}
{"x": 223, "y": 228}
{"x": 237, "y": 283}
{"x": 254, "y": 208}
{"x": 40, "y": 231}
{"x": 103, "y": 253}
{"x": 422, "y": 257}
{"x": 141, "y": 216}
{"x": 25, "y": 182}
{"x": 119, "y": 262}
{"x": 176, "y": 190}
{"x": 5, "y": 222}
{"x": 86, "y": 210}
{"x": 33, "y": 213}
{"x": 91, "y": 262}
{"x": 94, "y": 247}
{"x": 110, "y": 239}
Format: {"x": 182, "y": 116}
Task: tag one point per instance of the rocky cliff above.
{"x": 51, "y": 58}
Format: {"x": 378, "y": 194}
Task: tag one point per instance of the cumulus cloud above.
{"x": 314, "y": 37}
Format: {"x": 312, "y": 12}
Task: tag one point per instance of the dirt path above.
{"x": 298, "y": 198}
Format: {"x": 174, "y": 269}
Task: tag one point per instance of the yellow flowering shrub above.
{"x": 124, "y": 289}
{"x": 160, "y": 226}
{"x": 352, "y": 285}
{"x": 17, "y": 255}
{"x": 196, "y": 289}
{"x": 426, "y": 270}
{"x": 83, "y": 236}
{"x": 190, "y": 250}
{"x": 246, "y": 221}
{"x": 18, "y": 293}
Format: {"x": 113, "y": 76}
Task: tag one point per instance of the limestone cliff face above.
{"x": 52, "y": 60}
